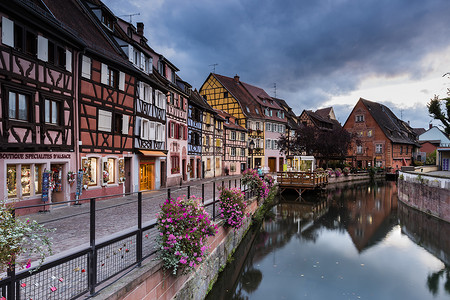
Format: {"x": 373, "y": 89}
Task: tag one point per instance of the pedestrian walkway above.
{"x": 71, "y": 223}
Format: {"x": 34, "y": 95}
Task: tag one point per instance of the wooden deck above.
{"x": 301, "y": 181}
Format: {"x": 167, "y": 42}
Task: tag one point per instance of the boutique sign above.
{"x": 34, "y": 156}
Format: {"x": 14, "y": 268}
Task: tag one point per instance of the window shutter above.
{"x": 150, "y": 65}
{"x": 163, "y": 132}
{"x": 152, "y": 131}
{"x": 104, "y": 120}
{"x": 142, "y": 62}
{"x": 137, "y": 126}
{"x": 130, "y": 53}
{"x": 86, "y": 67}
{"x": 122, "y": 81}
{"x": 150, "y": 94}
{"x": 185, "y": 132}
{"x": 7, "y": 32}
{"x": 43, "y": 48}
{"x": 144, "y": 129}
{"x": 68, "y": 60}
{"x": 125, "y": 123}
{"x": 163, "y": 100}
{"x": 141, "y": 90}
{"x": 104, "y": 78}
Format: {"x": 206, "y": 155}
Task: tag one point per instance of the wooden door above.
{"x": 272, "y": 164}
{"x": 146, "y": 177}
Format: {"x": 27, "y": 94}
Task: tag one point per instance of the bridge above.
{"x": 301, "y": 181}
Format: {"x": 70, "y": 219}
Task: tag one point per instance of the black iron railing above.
{"x": 84, "y": 269}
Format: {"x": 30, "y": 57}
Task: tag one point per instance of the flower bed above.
{"x": 184, "y": 226}
{"x": 232, "y": 207}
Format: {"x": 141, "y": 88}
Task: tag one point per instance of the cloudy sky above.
{"x": 318, "y": 53}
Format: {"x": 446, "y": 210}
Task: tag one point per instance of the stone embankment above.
{"x": 426, "y": 192}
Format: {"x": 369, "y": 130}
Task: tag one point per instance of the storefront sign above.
{"x": 45, "y": 186}
{"x": 34, "y": 156}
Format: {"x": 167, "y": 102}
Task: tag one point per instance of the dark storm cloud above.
{"x": 311, "y": 49}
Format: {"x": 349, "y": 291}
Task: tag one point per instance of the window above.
{"x": 108, "y": 170}
{"x": 145, "y": 129}
{"x": 217, "y": 163}
{"x": 258, "y": 126}
{"x": 378, "y": 164}
{"x": 86, "y": 67}
{"x": 268, "y": 144}
{"x": 11, "y": 181}
{"x": 233, "y": 151}
{"x": 369, "y": 133}
{"x": 378, "y": 148}
{"x": 401, "y": 149}
{"x": 112, "y": 78}
{"x": 407, "y": 148}
{"x": 208, "y": 164}
{"x": 257, "y": 143}
{"x": 118, "y": 122}
{"x": 104, "y": 120}
{"x": 359, "y": 149}
{"x": 274, "y": 145}
{"x": 52, "y": 112}
{"x": 256, "y": 110}
{"x": 218, "y": 143}
{"x": 92, "y": 171}
{"x": 360, "y": 118}
{"x": 233, "y": 136}
{"x": 268, "y": 127}
{"x": 225, "y": 94}
{"x": 172, "y": 130}
{"x": 360, "y": 133}
{"x": 145, "y": 92}
{"x": 37, "y": 179}
{"x": 242, "y": 136}
{"x": 242, "y": 151}
{"x": 175, "y": 160}
{"x": 19, "y": 106}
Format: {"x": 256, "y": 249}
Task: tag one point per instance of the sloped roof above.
{"x": 197, "y": 100}
{"x": 81, "y": 21}
{"x": 434, "y": 134}
{"x": 418, "y": 131}
{"x": 292, "y": 119}
{"x": 395, "y": 129}
{"x": 241, "y": 94}
{"x": 318, "y": 120}
{"x": 231, "y": 125}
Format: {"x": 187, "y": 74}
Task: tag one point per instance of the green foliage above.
{"x": 21, "y": 238}
{"x": 184, "y": 226}
{"x": 431, "y": 158}
{"x": 440, "y": 112}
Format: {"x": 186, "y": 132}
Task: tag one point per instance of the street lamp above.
{"x": 251, "y": 146}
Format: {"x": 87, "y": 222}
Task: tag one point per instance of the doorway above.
{"x": 183, "y": 166}
{"x": 127, "y": 168}
{"x": 272, "y": 162}
{"x": 191, "y": 168}
{"x": 146, "y": 176}
{"x": 58, "y": 179}
{"x": 163, "y": 173}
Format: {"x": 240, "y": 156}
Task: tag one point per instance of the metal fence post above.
{"x": 139, "y": 236}
{"x": 189, "y": 191}
{"x": 229, "y": 184}
{"x": 203, "y": 193}
{"x": 92, "y": 257}
{"x": 214, "y": 200}
{"x": 168, "y": 193}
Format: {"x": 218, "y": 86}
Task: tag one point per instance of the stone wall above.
{"x": 150, "y": 281}
{"x": 429, "y": 196}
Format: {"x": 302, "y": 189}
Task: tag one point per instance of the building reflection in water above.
{"x": 366, "y": 212}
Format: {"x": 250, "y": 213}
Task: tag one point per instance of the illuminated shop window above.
{"x": 11, "y": 181}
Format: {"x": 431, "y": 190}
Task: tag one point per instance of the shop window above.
{"x": 25, "y": 180}
{"x": 108, "y": 170}
{"x": 19, "y": 106}
{"x": 92, "y": 170}
{"x": 11, "y": 181}
{"x": 52, "y": 112}
{"x": 233, "y": 167}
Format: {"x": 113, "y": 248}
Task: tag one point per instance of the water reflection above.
{"x": 355, "y": 241}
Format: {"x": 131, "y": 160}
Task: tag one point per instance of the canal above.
{"x": 352, "y": 242}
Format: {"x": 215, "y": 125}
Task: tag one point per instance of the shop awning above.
{"x": 153, "y": 153}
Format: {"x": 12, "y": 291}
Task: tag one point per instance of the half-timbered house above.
{"x": 195, "y": 118}
{"x": 208, "y": 149}
{"x": 150, "y": 109}
{"x": 176, "y": 122}
{"x": 235, "y": 152}
{"x": 106, "y": 88}
{"x": 38, "y": 104}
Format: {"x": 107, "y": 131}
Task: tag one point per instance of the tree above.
{"x": 437, "y": 112}
{"x": 324, "y": 144}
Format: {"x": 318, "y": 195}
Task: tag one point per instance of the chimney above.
{"x": 236, "y": 78}
{"x": 140, "y": 28}
{"x": 430, "y": 126}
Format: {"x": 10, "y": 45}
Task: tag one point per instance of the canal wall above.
{"x": 427, "y": 193}
{"x": 151, "y": 281}
{"x": 354, "y": 177}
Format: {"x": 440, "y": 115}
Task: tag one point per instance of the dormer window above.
{"x": 359, "y": 118}
{"x": 107, "y": 20}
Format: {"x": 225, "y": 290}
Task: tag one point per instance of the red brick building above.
{"x": 382, "y": 140}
